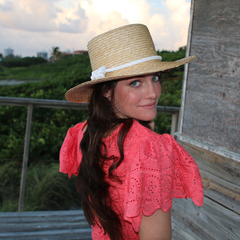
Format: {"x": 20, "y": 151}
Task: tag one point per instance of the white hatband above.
{"x": 100, "y": 72}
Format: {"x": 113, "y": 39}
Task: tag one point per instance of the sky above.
{"x": 31, "y": 26}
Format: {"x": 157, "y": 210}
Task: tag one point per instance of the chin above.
{"x": 143, "y": 116}
{"x": 147, "y": 119}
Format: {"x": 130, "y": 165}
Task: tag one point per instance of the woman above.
{"x": 126, "y": 173}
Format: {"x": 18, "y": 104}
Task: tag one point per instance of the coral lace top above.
{"x": 154, "y": 170}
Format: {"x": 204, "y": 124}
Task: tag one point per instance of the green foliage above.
{"x": 22, "y": 62}
{"x": 169, "y": 56}
{"x": 171, "y": 89}
{"x": 12, "y": 126}
{"x": 64, "y": 70}
{"x": 46, "y": 188}
{"x": 55, "y": 54}
{"x": 172, "y": 80}
{"x": 49, "y": 127}
{"x": 49, "y": 189}
{"x": 9, "y": 186}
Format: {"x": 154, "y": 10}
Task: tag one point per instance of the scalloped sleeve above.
{"x": 161, "y": 169}
{"x": 70, "y": 153}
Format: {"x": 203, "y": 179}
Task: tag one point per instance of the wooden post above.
{"x": 174, "y": 124}
{"x": 25, "y": 158}
{"x": 185, "y": 77}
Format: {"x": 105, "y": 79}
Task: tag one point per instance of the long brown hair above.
{"x": 91, "y": 179}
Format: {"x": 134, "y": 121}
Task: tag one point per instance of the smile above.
{"x": 149, "y": 105}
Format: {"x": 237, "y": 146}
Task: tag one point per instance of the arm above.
{"x": 156, "y": 227}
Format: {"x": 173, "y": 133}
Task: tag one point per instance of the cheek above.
{"x": 158, "y": 90}
{"x": 134, "y": 97}
{"x": 120, "y": 99}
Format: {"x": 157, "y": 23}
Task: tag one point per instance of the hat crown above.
{"x": 120, "y": 46}
{"x": 121, "y": 53}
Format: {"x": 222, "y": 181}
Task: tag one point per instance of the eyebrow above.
{"x": 140, "y": 76}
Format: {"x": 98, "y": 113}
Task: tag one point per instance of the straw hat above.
{"x": 121, "y": 53}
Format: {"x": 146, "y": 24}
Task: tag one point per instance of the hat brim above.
{"x": 82, "y": 92}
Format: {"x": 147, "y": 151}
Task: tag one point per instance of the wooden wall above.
{"x": 219, "y": 217}
{"x": 212, "y": 104}
{"x": 210, "y": 129}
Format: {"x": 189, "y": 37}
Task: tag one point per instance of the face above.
{"x": 137, "y": 97}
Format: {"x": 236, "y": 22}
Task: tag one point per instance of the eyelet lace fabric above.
{"x": 155, "y": 170}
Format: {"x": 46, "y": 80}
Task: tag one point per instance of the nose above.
{"x": 151, "y": 92}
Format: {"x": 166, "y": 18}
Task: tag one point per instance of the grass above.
{"x": 46, "y": 188}
{"x": 69, "y": 67}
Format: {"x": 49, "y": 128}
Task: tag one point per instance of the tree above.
{"x": 10, "y": 56}
{"x": 55, "y": 54}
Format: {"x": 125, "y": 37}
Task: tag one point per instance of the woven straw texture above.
{"x": 117, "y": 47}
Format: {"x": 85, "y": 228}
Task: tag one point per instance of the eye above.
{"x": 135, "y": 83}
{"x": 155, "y": 78}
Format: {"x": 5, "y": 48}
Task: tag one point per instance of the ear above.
{"x": 108, "y": 94}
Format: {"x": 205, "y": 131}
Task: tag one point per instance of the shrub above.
{"x": 46, "y": 188}
{"x": 22, "y": 62}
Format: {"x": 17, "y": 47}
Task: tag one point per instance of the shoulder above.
{"x": 143, "y": 143}
{"x": 142, "y": 135}
{"x": 77, "y": 128}
{"x": 73, "y": 136}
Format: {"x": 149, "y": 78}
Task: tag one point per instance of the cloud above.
{"x": 40, "y": 16}
{"x": 5, "y": 6}
{"x": 29, "y": 26}
{"x": 179, "y": 17}
{"x": 105, "y": 15}
{"x": 77, "y": 24}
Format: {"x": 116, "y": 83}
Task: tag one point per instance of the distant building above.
{"x": 8, "y": 51}
{"x": 79, "y": 51}
{"x": 42, "y": 54}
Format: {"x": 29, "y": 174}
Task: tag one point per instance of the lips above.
{"x": 151, "y": 105}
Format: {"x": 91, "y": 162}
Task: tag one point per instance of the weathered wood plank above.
{"x": 174, "y": 124}
{"x": 25, "y": 158}
{"x": 39, "y": 219}
{"x": 51, "y": 103}
{"x": 211, "y": 222}
{"x": 44, "y": 225}
{"x": 220, "y": 176}
{"x": 58, "y": 234}
{"x": 211, "y": 116}
{"x": 179, "y": 233}
{"x": 42, "y": 213}
{"x": 212, "y": 103}
{"x": 47, "y": 225}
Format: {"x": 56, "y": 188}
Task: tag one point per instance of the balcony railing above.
{"x": 45, "y": 103}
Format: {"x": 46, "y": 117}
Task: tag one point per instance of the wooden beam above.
{"x": 220, "y": 176}
{"x": 51, "y": 103}
{"x": 174, "y": 124}
{"x": 44, "y": 225}
{"x": 25, "y": 158}
{"x": 211, "y": 221}
{"x": 209, "y": 147}
{"x": 185, "y": 77}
